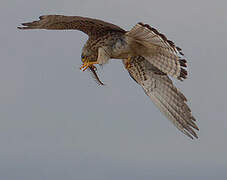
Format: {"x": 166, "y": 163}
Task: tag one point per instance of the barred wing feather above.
{"x": 170, "y": 101}
{"x": 162, "y": 53}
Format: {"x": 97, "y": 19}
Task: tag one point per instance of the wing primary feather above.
{"x": 90, "y": 26}
{"x": 159, "y": 87}
{"x": 169, "y": 113}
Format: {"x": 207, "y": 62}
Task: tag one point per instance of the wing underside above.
{"x": 170, "y": 101}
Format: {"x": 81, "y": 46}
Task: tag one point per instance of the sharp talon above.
{"x": 88, "y": 64}
{"x": 84, "y": 65}
{"x": 85, "y": 68}
{"x": 128, "y": 63}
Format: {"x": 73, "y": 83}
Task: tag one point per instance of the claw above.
{"x": 128, "y": 63}
{"x": 88, "y": 64}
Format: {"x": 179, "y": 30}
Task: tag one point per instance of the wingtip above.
{"x": 41, "y": 17}
{"x": 196, "y": 136}
{"x": 23, "y": 26}
{"x": 191, "y": 135}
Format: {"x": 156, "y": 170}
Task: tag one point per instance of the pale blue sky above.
{"x": 56, "y": 123}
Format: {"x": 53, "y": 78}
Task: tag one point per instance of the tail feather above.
{"x": 161, "y": 52}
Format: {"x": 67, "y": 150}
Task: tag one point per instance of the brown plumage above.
{"x": 148, "y": 55}
{"x": 165, "y": 55}
{"x": 92, "y": 27}
{"x": 159, "y": 87}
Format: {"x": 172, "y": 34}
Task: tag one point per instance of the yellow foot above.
{"x": 128, "y": 63}
{"x": 87, "y": 64}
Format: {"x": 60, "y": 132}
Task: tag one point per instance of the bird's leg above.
{"x": 128, "y": 63}
{"x": 86, "y": 64}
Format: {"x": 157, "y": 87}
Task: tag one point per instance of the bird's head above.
{"x": 88, "y": 55}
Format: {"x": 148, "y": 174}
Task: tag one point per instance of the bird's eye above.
{"x": 82, "y": 58}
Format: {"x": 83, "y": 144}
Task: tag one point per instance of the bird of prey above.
{"x": 148, "y": 55}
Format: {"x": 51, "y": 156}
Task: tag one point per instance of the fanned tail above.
{"x": 162, "y": 53}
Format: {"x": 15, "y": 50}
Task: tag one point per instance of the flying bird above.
{"x": 149, "y": 57}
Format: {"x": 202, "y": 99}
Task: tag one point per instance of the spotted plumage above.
{"x": 146, "y": 53}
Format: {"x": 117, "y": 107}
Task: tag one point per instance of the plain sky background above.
{"x": 57, "y": 123}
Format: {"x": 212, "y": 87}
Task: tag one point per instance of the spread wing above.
{"x": 161, "y": 52}
{"x": 92, "y": 27}
{"x": 170, "y": 101}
